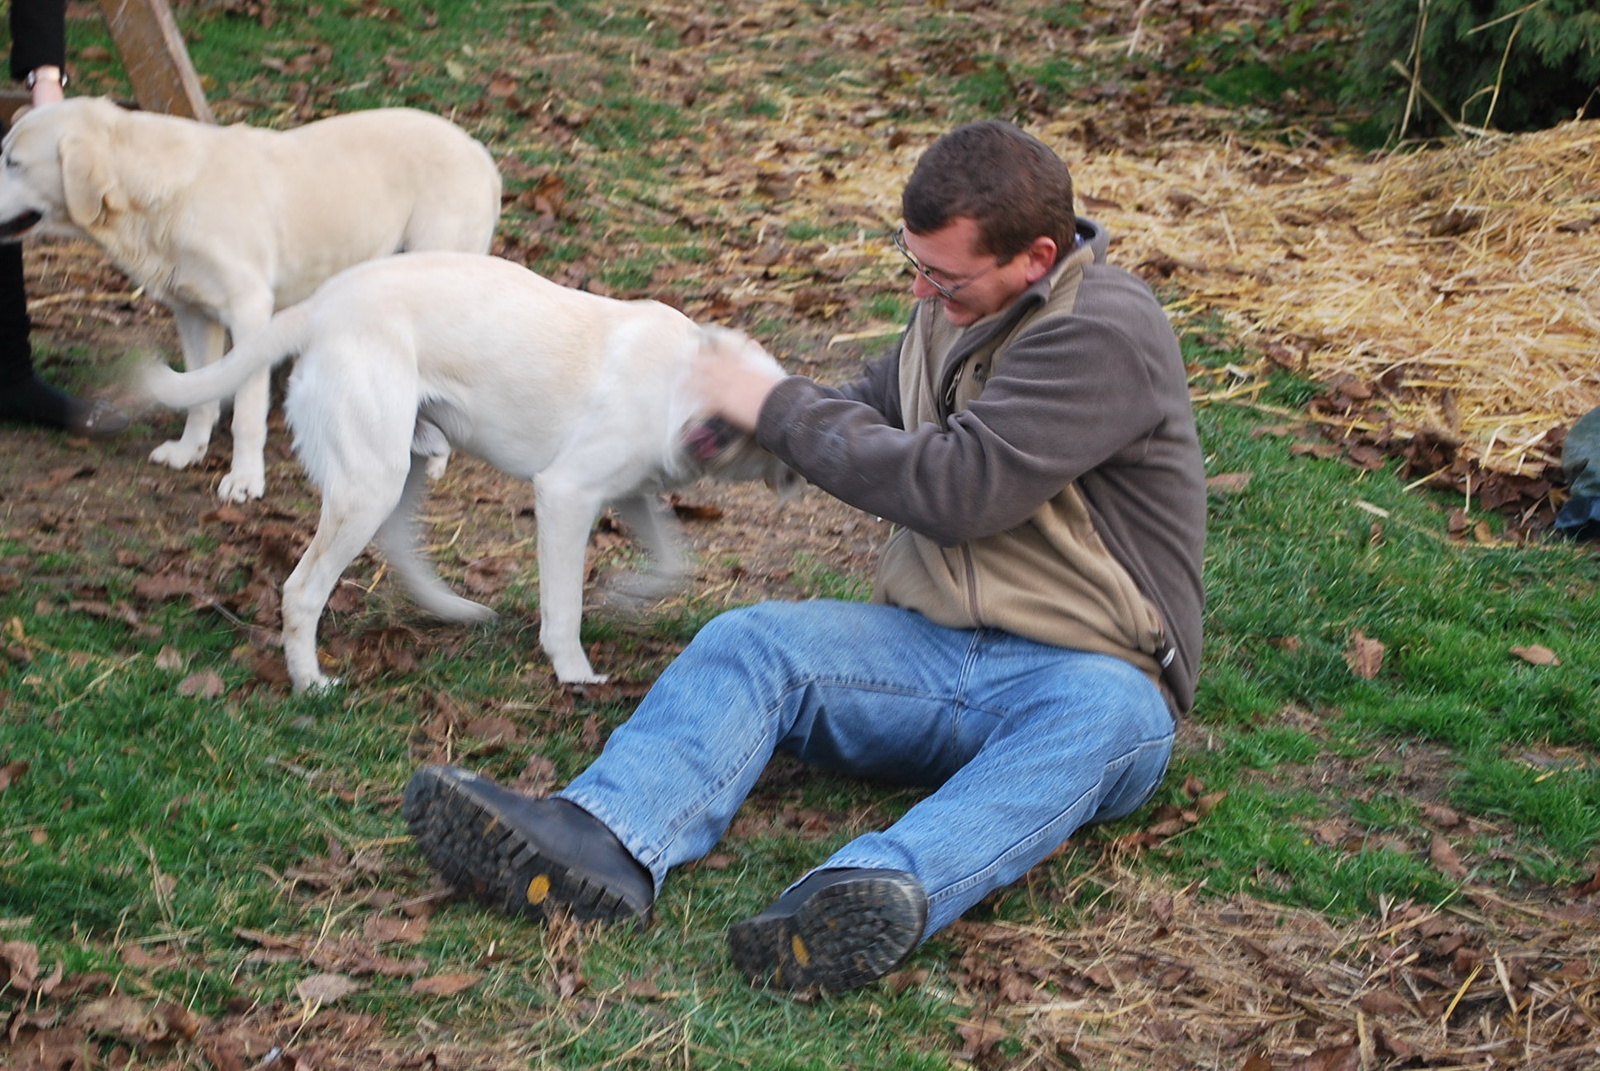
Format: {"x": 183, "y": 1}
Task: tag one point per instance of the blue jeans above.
{"x": 1022, "y": 742}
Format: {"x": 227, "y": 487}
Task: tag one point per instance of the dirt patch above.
{"x": 100, "y": 518}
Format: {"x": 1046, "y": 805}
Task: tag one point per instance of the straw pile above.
{"x": 1451, "y": 293}
{"x": 1459, "y": 286}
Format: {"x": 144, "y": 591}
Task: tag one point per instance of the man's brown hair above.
{"x": 1005, "y": 180}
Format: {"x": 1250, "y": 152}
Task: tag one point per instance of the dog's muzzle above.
{"x": 707, "y": 440}
{"x": 17, "y": 226}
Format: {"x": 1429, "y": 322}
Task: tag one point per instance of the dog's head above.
{"x": 723, "y": 451}
{"x": 55, "y": 171}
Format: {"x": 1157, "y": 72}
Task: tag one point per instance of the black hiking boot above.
{"x": 32, "y": 401}
{"x": 521, "y": 855}
{"x": 837, "y": 929}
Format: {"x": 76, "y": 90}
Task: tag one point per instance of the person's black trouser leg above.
{"x": 22, "y": 396}
{"x": 16, "y": 356}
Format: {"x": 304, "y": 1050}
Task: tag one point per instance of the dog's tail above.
{"x": 285, "y": 335}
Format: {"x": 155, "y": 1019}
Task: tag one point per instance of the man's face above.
{"x": 974, "y": 284}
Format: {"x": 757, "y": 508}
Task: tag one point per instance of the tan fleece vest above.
{"x": 1049, "y": 579}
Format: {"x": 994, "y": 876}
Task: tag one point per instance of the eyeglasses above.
{"x": 946, "y": 292}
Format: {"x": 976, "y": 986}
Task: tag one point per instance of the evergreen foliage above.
{"x": 1496, "y": 64}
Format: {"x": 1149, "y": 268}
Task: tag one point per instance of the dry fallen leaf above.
{"x": 123, "y": 1016}
{"x": 20, "y": 959}
{"x": 382, "y": 928}
{"x": 1332, "y": 1058}
{"x": 445, "y": 985}
{"x": 1383, "y": 1002}
{"x": 10, "y": 773}
{"x": 979, "y": 1036}
{"x": 1257, "y": 1061}
{"x": 1228, "y": 482}
{"x": 325, "y": 988}
{"x": 1446, "y": 858}
{"x": 1537, "y": 654}
{"x": 207, "y": 684}
{"x": 1364, "y": 656}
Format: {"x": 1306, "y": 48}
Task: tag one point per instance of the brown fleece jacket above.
{"x": 1042, "y": 465}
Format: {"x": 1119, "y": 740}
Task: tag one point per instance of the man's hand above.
{"x": 733, "y": 388}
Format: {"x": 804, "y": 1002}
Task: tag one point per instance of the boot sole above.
{"x": 461, "y": 833}
{"x": 843, "y": 937}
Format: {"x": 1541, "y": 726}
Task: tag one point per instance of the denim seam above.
{"x": 958, "y": 701}
{"x": 764, "y": 745}
{"x": 1121, "y": 764}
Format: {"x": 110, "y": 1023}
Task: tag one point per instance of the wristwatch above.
{"x": 33, "y": 76}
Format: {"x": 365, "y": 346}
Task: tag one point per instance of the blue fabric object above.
{"x": 1022, "y": 742}
{"x": 1580, "y": 518}
{"x": 1580, "y": 463}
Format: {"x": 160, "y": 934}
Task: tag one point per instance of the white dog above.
{"x": 224, "y": 225}
{"x": 402, "y": 358}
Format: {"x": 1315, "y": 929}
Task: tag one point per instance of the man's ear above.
{"x": 86, "y": 179}
{"x": 1041, "y": 257}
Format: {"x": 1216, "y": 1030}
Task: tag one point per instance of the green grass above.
{"x": 1313, "y": 551}
{"x": 147, "y": 815}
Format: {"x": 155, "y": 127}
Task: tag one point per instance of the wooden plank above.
{"x": 154, "y": 56}
{"x": 10, "y": 101}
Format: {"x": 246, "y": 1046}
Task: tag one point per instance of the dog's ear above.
{"x": 722, "y": 340}
{"x": 87, "y": 180}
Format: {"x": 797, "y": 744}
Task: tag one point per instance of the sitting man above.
{"x": 1034, "y": 629}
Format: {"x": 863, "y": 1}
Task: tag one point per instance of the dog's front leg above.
{"x": 658, "y": 533}
{"x": 665, "y": 574}
{"x": 201, "y": 340}
{"x": 564, "y": 514}
{"x": 248, "y": 477}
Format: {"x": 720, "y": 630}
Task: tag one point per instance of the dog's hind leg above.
{"x": 201, "y": 340}
{"x": 565, "y": 511}
{"x": 401, "y": 546}
{"x": 352, "y": 513}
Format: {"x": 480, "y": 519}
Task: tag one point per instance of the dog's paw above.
{"x": 177, "y": 454}
{"x": 241, "y": 487}
{"x": 576, "y": 683}
{"x": 459, "y": 610}
{"x": 572, "y": 668}
{"x": 320, "y": 685}
{"x": 636, "y": 593}
{"x": 436, "y": 466}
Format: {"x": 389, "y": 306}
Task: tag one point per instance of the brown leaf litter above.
{"x": 1177, "y": 980}
{"x": 1146, "y": 976}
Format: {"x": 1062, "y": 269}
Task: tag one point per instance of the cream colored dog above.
{"x": 223, "y": 225}
{"x": 402, "y": 358}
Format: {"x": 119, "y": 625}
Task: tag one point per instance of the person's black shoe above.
{"x": 837, "y": 929}
{"x": 33, "y": 401}
{"x": 96, "y": 418}
{"x": 521, "y": 855}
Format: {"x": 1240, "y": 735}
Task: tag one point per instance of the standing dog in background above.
{"x": 225, "y": 225}
{"x": 406, "y": 357}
